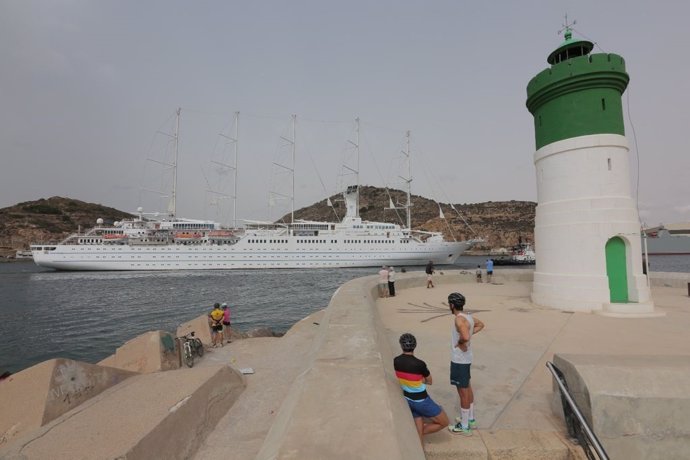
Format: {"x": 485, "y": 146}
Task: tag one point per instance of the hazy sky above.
{"x": 87, "y": 87}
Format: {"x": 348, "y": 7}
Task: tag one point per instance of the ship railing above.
{"x": 577, "y": 425}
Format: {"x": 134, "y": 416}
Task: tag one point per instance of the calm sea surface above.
{"x": 87, "y": 315}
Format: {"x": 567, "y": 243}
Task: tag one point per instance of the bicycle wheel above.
{"x": 188, "y": 356}
{"x": 199, "y": 347}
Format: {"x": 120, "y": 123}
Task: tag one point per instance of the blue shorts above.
{"x": 424, "y": 408}
{"x": 460, "y": 375}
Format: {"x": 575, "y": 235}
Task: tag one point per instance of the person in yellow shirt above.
{"x": 216, "y": 323}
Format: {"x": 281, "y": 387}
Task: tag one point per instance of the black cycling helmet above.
{"x": 408, "y": 342}
{"x": 456, "y": 300}
{"x": 216, "y": 305}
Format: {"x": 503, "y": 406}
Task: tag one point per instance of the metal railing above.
{"x": 576, "y": 423}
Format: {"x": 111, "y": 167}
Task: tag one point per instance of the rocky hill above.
{"x": 48, "y": 220}
{"x": 499, "y": 223}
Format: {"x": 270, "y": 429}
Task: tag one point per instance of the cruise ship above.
{"x": 182, "y": 244}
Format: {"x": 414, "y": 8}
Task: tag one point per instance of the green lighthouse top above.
{"x": 579, "y": 94}
{"x": 570, "y": 48}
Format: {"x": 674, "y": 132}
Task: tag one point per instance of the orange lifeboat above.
{"x": 187, "y": 235}
{"x": 113, "y": 236}
{"x": 220, "y": 233}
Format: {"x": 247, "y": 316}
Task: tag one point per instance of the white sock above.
{"x": 465, "y": 418}
{"x": 472, "y": 411}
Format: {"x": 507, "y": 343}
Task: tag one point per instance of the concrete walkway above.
{"x": 513, "y": 388}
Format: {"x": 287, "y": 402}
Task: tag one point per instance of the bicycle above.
{"x": 191, "y": 346}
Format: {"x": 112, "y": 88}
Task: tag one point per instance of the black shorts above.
{"x": 460, "y": 375}
{"x": 217, "y": 328}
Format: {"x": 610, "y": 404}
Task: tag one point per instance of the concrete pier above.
{"x": 327, "y": 389}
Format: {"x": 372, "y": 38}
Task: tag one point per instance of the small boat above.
{"x": 520, "y": 254}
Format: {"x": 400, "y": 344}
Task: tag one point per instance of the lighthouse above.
{"x": 587, "y": 229}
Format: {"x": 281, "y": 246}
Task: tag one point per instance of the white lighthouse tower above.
{"x": 587, "y": 229}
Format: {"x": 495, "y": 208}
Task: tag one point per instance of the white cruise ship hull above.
{"x": 241, "y": 256}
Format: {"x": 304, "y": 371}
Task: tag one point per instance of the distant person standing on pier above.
{"x": 216, "y": 323}
{"x": 429, "y": 275}
{"x": 383, "y": 282}
{"x": 479, "y": 274}
{"x": 413, "y": 376}
{"x": 226, "y": 322}
{"x": 489, "y": 269}
{"x": 391, "y": 281}
{"x": 464, "y": 328}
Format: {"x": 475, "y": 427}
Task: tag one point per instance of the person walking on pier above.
{"x": 464, "y": 328}
{"x": 429, "y": 274}
{"x": 414, "y": 376}
{"x": 391, "y": 281}
{"x": 479, "y": 274}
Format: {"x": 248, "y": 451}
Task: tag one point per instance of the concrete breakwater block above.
{"x": 199, "y": 326}
{"x": 638, "y": 406}
{"x": 158, "y": 415}
{"x": 37, "y": 395}
{"x": 149, "y": 352}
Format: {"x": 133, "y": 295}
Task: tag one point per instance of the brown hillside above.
{"x": 499, "y": 223}
{"x": 47, "y": 220}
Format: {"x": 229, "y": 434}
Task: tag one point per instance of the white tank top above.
{"x": 456, "y": 354}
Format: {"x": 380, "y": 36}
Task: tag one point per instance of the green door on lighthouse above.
{"x": 616, "y": 270}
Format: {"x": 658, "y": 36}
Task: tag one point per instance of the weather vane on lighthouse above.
{"x": 567, "y": 28}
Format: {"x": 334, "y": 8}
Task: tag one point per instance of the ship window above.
{"x": 603, "y": 104}
{"x": 609, "y": 162}
{"x": 539, "y": 120}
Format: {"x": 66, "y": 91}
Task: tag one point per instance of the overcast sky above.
{"x": 88, "y": 92}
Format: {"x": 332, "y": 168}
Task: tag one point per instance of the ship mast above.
{"x": 408, "y": 180}
{"x": 292, "y": 142}
{"x": 294, "y": 145}
{"x": 172, "y": 206}
{"x": 233, "y": 167}
{"x": 234, "y": 192}
{"x": 356, "y": 171}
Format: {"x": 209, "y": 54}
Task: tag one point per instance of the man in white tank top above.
{"x": 464, "y": 327}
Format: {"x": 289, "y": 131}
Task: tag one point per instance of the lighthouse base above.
{"x": 631, "y": 310}
{"x": 589, "y": 293}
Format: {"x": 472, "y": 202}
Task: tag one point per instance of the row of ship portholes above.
{"x": 192, "y": 262}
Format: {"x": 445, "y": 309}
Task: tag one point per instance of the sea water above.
{"x": 46, "y": 314}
